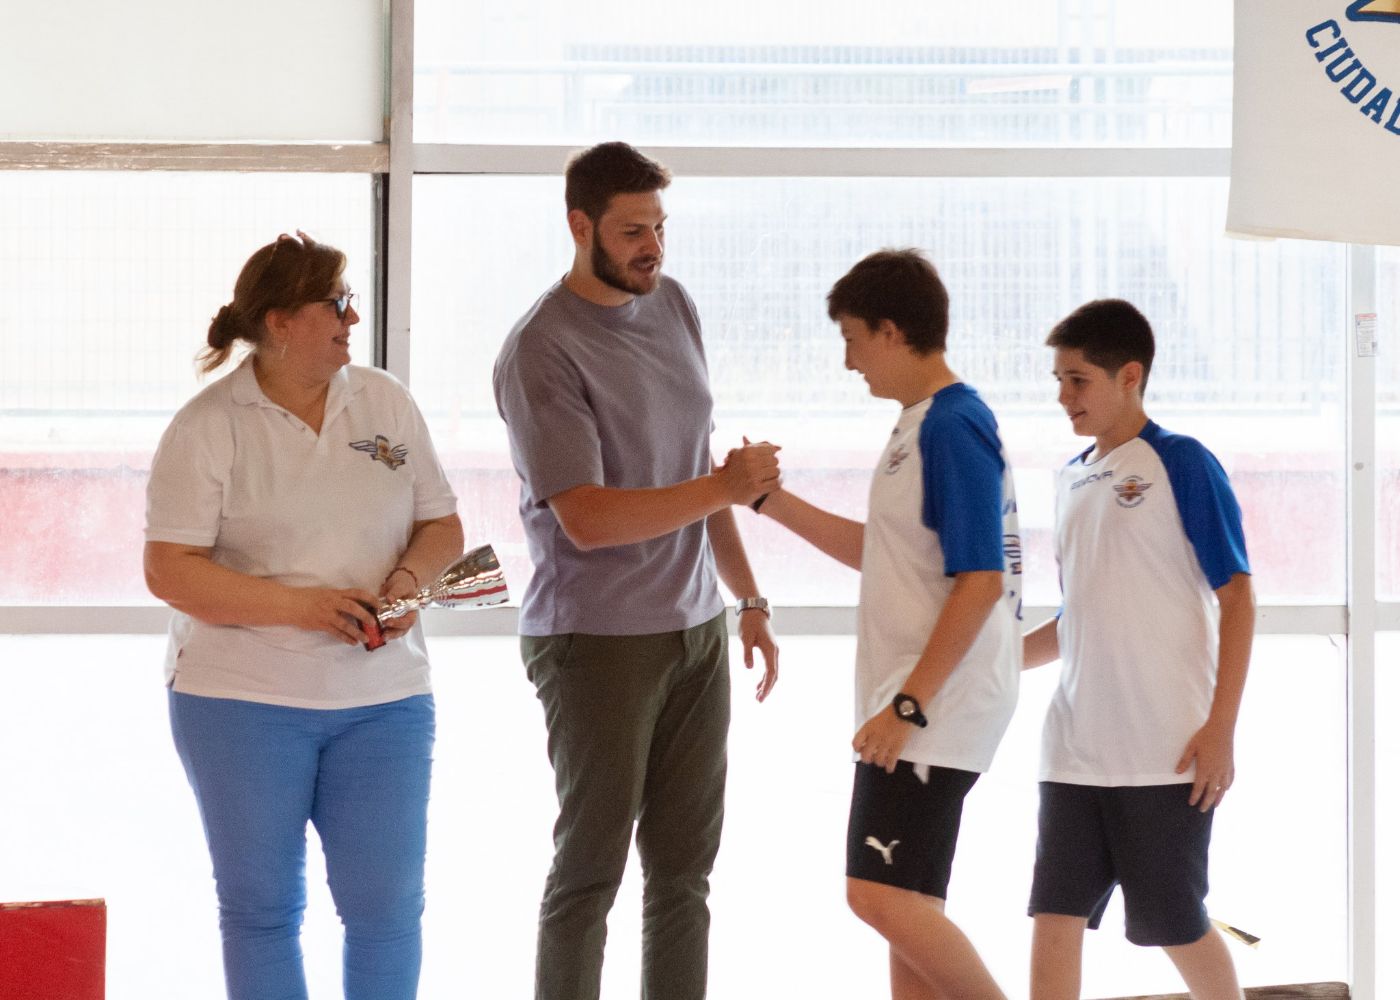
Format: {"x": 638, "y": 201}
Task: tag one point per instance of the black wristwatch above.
{"x": 906, "y": 707}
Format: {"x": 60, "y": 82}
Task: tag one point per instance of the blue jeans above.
{"x": 259, "y": 773}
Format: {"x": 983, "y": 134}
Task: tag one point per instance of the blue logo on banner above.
{"x": 1374, "y": 10}
{"x": 1346, "y": 68}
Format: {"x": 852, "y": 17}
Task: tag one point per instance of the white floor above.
{"x": 95, "y": 804}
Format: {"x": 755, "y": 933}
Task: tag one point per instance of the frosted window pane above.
{"x": 107, "y": 286}
{"x": 1387, "y": 808}
{"x": 1388, "y": 425}
{"x": 171, "y": 70}
{"x": 1250, "y": 355}
{"x": 825, "y": 72}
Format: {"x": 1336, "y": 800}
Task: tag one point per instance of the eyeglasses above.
{"x": 344, "y": 303}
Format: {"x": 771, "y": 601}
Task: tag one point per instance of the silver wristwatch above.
{"x": 747, "y": 603}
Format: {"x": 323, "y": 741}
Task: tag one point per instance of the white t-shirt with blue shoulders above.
{"x": 942, "y": 502}
{"x": 1144, "y": 536}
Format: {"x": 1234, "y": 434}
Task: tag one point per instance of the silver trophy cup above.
{"x": 474, "y": 581}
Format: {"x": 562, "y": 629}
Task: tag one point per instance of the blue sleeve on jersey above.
{"x": 1207, "y": 505}
{"x": 962, "y": 487}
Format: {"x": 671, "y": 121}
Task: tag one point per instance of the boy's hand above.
{"x": 1213, "y": 750}
{"x": 881, "y": 740}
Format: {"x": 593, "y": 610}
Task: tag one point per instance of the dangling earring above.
{"x": 282, "y": 356}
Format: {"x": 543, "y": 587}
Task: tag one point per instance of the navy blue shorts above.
{"x": 903, "y": 830}
{"x": 1149, "y": 840}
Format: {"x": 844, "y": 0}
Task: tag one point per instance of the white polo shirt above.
{"x": 238, "y": 473}
{"x": 1144, "y": 536}
{"x": 942, "y": 502}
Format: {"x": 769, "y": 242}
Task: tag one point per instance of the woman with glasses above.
{"x": 286, "y": 499}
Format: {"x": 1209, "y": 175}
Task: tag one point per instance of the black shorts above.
{"x": 1148, "y": 839}
{"x": 903, "y": 830}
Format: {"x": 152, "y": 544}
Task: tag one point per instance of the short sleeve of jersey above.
{"x": 185, "y": 494}
{"x": 963, "y": 467}
{"x": 1210, "y": 514}
{"x": 552, "y": 429}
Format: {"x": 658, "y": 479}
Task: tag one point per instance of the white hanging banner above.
{"x": 1317, "y": 120}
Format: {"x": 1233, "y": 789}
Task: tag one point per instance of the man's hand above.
{"x": 750, "y": 472}
{"x": 881, "y": 740}
{"x": 756, "y": 630}
{"x": 1213, "y": 750}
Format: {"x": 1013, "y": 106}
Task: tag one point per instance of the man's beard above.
{"x": 611, "y": 273}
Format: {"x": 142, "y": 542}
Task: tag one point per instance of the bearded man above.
{"x": 605, "y": 393}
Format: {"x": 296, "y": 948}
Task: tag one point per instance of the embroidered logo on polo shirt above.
{"x": 1130, "y": 491}
{"x": 897, "y": 458}
{"x": 885, "y": 852}
{"x": 379, "y": 451}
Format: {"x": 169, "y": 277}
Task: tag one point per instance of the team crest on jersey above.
{"x": 897, "y": 458}
{"x": 1130, "y": 491}
{"x": 380, "y": 451}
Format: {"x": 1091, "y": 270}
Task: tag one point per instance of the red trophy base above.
{"x": 374, "y": 634}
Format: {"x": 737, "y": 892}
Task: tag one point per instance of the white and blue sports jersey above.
{"x": 1144, "y": 536}
{"x": 941, "y": 503}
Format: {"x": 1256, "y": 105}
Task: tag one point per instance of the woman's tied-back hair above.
{"x": 594, "y": 176}
{"x": 287, "y": 273}
{"x": 1110, "y": 333}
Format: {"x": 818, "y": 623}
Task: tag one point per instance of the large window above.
{"x": 108, "y": 282}
{"x": 159, "y": 70}
{"x": 1239, "y": 361}
{"x": 826, "y": 72}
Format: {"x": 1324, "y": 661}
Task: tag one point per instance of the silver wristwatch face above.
{"x": 905, "y": 709}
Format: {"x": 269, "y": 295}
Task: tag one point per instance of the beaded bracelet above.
{"x": 404, "y": 569}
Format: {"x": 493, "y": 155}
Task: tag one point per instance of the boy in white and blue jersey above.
{"x": 1154, "y": 633}
{"x": 937, "y": 645}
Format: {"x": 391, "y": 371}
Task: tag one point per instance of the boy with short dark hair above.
{"x": 1154, "y": 633}
{"x": 937, "y": 647}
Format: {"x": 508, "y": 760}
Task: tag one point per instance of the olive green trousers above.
{"x": 637, "y": 734}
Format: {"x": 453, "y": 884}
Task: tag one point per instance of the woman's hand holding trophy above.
{"x": 473, "y": 581}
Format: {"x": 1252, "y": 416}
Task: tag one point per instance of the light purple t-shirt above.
{"x": 619, "y": 397}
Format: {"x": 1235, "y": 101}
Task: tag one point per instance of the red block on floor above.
{"x": 53, "y": 951}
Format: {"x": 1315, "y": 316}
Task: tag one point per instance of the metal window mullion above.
{"x": 153, "y": 619}
{"x": 1361, "y": 630}
{"x": 349, "y": 158}
{"x": 813, "y": 161}
{"x": 398, "y": 206}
